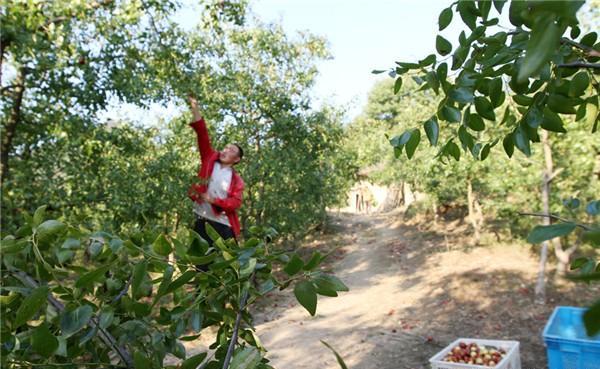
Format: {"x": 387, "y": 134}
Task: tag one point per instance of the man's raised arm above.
{"x": 199, "y": 125}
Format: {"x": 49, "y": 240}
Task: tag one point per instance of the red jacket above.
{"x": 208, "y": 156}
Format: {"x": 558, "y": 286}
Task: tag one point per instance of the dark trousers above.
{"x": 223, "y": 230}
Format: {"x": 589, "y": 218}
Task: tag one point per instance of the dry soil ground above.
{"x": 414, "y": 288}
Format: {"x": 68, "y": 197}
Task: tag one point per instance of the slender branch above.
{"x": 580, "y": 64}
{"x": 236, "y": 326}
{"x": 556, "y": 172}
{"x": 108, "y": 339}
{"x": 589, "y": 50}
{"x": 123, "y": 291}
{"x": 555, "y": 217}
{"x": 83, "y": 365}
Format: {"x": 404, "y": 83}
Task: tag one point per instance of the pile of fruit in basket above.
{"x": 472, "y": 353}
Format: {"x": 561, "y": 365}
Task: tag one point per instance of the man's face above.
{"x": 229, "y": 155}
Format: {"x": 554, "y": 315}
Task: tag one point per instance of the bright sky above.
{"x": 363, "y": 35}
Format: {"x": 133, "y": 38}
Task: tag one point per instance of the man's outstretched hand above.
{"x": 194, "y": 107}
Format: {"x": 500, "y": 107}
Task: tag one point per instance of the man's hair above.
{"x": 240, "y": 151}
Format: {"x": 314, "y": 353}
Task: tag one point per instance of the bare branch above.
{"x": 556, "y": 172}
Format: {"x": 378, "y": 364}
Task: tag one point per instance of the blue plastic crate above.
{"x": 567, "y": 344}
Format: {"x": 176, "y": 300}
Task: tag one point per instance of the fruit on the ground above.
{"x": 472, "y": 353}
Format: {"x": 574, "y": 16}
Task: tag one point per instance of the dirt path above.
{"x": 412, "y": 291}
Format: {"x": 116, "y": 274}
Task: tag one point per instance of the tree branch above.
{"x": 556, "y": 172}
{"x": 555, "y": 217}
{"x": 590, "y": 51}
{"x": 580, "y": 64}
{"x": 108, "y": 339}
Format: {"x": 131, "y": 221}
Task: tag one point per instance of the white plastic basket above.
{"x": 512, "y": 360}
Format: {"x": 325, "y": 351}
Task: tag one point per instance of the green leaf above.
{"x": 495, "y": 92}
{"x": 543, "y": 43}
{"x": 140, "y": 361}
{"x": 430, "y": 59}
{"x": 412, "y": 143}
{"x": 459, "y": 57}
{"x": 378, "y": 71}
{"x": 485, "y": 151}
{"x": 12, "y": 246}
{"x": 48, "y": 229}
{"x": 591, "y": 319}
{"x": 443, "y": 46}
{"x": 453, "y": 150}
{"x": 248, "y": 268}
{"x": 333, "y": 282}
{"x": 578, "y": 263}
{"x": 593, "y": 208}
{"x": 183, "y": 279}
{"x": 475, "y": 123}
{"x": 540, "y": 234}
{"x": 445, "y": 18}
{"x": 314, "y": 261}
{"x": 589, "y": 39}
{"x": 432, "y": 130}
{"x": 534, "y": 117}
{"x": 294, "y": 265}
{"x": 579, "y": 84}
{"x": 499, "y": 4}
{"x": 193, "y": 361}
{"x": 106, "y": 317}
{"x": 139, "y": 272}
{"x": 521, "y": 140}
{"x": 523, "y": 100}
{"x": 196, "y": 318}
{"x": 306, "y": 295}
{"x": 591, "y": 113}
{"x": 484, "y": 8}
{"x": 164, "y": 284}
{"x": 450, "y": 113}
{"x": 38, "y": 215}
{"x": 246, "y": 358}
{"x": 552, "y": 122}
{"x": 161, "y": 246}
{"x": 462, "y": 95}
{"x": 508, "y": 144}
{"x": 89, "y": 278}
{"x": 397, "y": 85}
{"x": 432, "y": 81}
{"x": 560, "y": 104}
{"x": 211, "y": 232}
{"x": 468, "y": 12}
{"x": 484, "y": 108}
{"x": 589, "y": 277}
{"x": 43, "y": 341}
{"x": 337, "y": 356}
{"x": 442, "y": 71}
{"x": 30, "y": 306}
{"x": 592, "y": 236}
{"x": 73, "y": 321}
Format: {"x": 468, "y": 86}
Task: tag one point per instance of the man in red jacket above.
{"x": 218, "y": 197}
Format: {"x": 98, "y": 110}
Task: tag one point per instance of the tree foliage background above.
{"x": 98, "y": 263}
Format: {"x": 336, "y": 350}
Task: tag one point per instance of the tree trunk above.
{"x": 472, "y": 217}
{"x": 540, "y": 288}
{"x": 10, "y": 127}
